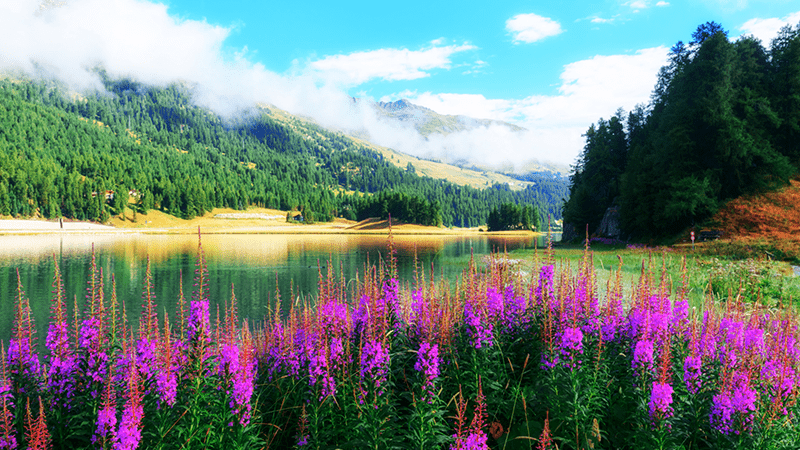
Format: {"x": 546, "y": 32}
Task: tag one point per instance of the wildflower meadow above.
{"x": 499, "y": 359}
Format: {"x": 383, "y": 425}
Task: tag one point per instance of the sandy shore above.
{"x": 38, "y": 226}
{"x": 224, "y": 221}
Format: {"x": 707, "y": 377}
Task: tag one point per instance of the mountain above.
{"x": 59, "y": 152}
{"x": 461, "y": 175}
{"x": 427, "y": 121}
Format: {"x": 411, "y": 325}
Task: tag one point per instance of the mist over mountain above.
{"x": 427, "y": 121}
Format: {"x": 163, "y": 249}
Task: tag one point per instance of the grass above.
{"x": 726, "y": 274}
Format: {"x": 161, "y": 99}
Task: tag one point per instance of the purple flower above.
{"x": 107, "y": 416}
{"x": 473, "y": 441}
{"x": 661, "y": 401}
{"x": 199, "y": 325}
{"x": 374, "y": 362}
{"x": 721, "y": 415}
{"x": 545, "y": 289}
{"x": 478, "y": 328}
{"x": 643, "y": 356}
{"x": 428, "y": 363}
{"x": 62, "y": 363}
{"x": 737, "y": 406}
{"x": 513, "y": 310}
{"x": 494, "y": 304}
{"x": 243, "y": 385}
{"x": 130, "y": 429}
{"x": 692, "y": 366}
{"x": 572, "y": 340}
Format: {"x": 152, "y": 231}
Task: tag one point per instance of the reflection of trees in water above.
{"x": 257, "y": 266}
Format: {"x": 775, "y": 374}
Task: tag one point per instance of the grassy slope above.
{"x": 763, "y": 225}
{"x": 433, "y": 169}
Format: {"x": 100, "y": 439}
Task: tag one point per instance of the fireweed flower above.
{"x": 428, "y": 363}
{"x": 494, "y": 304}
{"x": 22, "y": 359}
{"x": 374, "y": 362}
{"x": 130, "y": 429}
{"x": 199, "y": 323}
{"x": 571, "y": 345}
{"x": 680, "y": 318}
{"x": 147, "y": 358}
{"x": 242, "y": 379}
{"x": 545, "y": 289}
{"x": 660, "y": 401}
{"x": 90, "y": 342}
{"x": 513, "y": 310}
{"x": 8, "y": 439}
{"x": 107, "y": 416}
{"x": 721, "y": 416}
{"x": 475, "y": 438}
{"x": 692, "y": 369}
{"x": 479, "y": 328}
{"x": 319, "y": 369}
{"x": 643, "y": 356}
{"x": 732, "y": 411}
{"x": 62, "y": 359}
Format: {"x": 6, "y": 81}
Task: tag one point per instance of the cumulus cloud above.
{"x": 140, "y": 39}
{"x": 590, "y": 89}
{"x": 529, "y": 28}
{"x": 388, "y": 64}
{"x": 637, "y": 5}
{"x": 766, "y": 29}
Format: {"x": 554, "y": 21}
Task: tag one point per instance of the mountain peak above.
{"x": 428, "y": 122}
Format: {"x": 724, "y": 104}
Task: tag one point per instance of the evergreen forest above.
{"x": 63, "y": 154}
{"x": 723, "y": 121}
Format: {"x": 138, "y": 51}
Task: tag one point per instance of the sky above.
{"x": 552, "y": 67}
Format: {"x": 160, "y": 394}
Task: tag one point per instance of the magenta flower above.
{"x": 129, "y": 433}
{"x": 570, "y": 346}
{"x": 107, "y": 416}
{"x": 661, "y": 401}
{"x": 643, "y": 356}
{"x": 374, "y": 362}
{"x": 479, "y": 328}
{"x": 692, "y": 367}
{"x": 428, "y": 363}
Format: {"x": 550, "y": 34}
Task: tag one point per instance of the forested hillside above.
{"x": 62, "y": 154}
{"x": 724, "y": 120}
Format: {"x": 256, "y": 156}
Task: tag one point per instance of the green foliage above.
{"x": 399, "y": 206}
{"x": 722, "y": 122}
{"x": 514, "y": 217}
{"x": 185, "y": 160}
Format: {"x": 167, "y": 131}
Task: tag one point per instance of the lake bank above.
{"x": 229, "y": 221}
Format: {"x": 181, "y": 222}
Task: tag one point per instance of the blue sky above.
{"x": 553, "y": 67}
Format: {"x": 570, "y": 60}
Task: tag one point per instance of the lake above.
{"x": 258, "y": 265}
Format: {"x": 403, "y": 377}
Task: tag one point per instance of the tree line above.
{"x": 59, "y": 156}
{"x": 723, "y": 121}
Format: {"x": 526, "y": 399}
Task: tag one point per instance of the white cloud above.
{"x": 590, "y": 89}
{"x": 637, "y": 5}
{"x": 140, "y": 39}
{"x": 529, "y": 28}
{"x": 766, "y": 29}
{"x": 388, "y": 64}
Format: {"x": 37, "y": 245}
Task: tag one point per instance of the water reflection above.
{"x": 258, "y": 266}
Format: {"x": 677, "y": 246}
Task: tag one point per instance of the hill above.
{"x": 768, "y": 222}
{"x": 84, "y": 156}
{"x": 478, "y": 179}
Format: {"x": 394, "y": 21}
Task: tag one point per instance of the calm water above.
{"x": 256, "y": 265}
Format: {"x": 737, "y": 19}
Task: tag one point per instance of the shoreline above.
{"x": 244, "y": 226}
